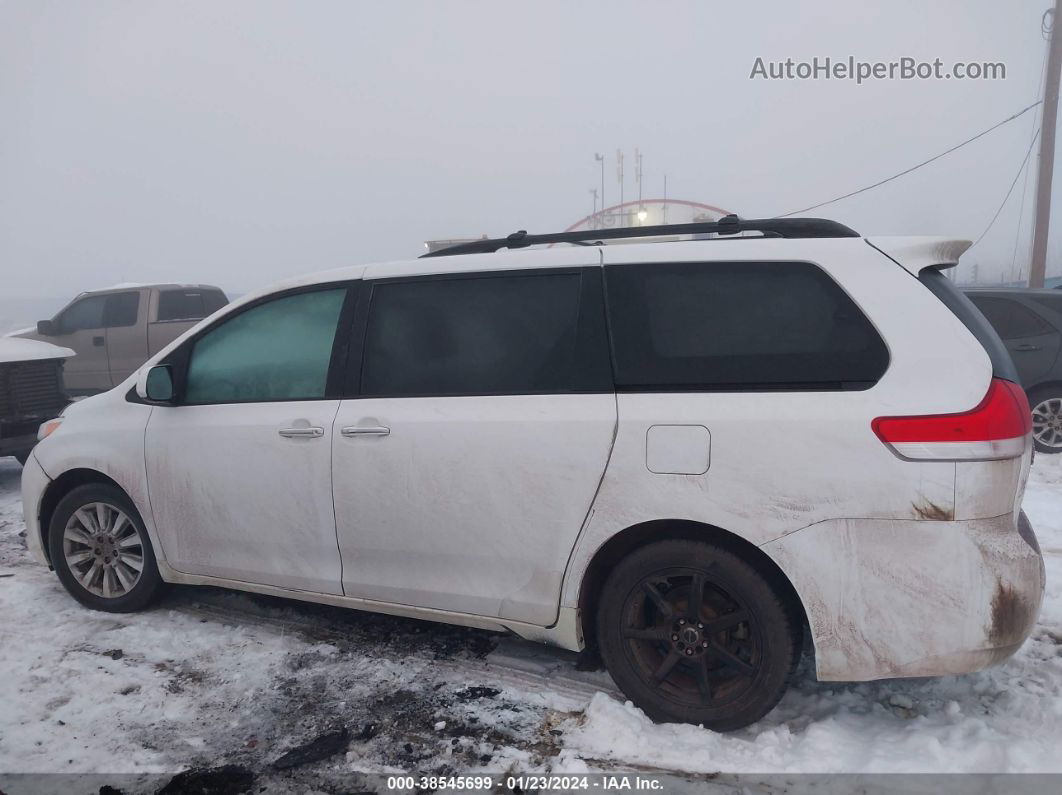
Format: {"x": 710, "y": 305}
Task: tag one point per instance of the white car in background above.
{"x": 691, "y": 455}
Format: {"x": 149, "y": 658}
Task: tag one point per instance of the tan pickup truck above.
{"x": 114, "y": 331}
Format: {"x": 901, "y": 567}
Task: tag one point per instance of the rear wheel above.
{"x": 1047, "y": 419}
{"x": 692, "y": 633}
{"x": 100, "y": 550}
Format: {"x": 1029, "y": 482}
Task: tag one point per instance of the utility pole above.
{"x": 593, "y": 215}
{"x": 1049, "y": 111}
{"x": 601, "y": 159}
{"x": 619, "y": 176}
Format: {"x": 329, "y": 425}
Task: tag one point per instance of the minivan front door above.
{"x": 466, "y": 468}
{"x": 239, "y": 472}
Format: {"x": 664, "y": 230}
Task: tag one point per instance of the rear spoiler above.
{"x": 917, "y": 253}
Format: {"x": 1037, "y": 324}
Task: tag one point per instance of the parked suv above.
{"x": 115, "y": 331}
{"x": 1030, "y": 323}
{"x": 688, "y": 454}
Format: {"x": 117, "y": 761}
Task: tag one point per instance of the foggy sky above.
{"x": 236, "y": 143}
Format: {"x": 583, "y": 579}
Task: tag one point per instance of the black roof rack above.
{"x": 728, "y": 225}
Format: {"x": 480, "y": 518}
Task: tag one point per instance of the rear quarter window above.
{"x": 738, "y": 326}
{"x": 965, "y": 310}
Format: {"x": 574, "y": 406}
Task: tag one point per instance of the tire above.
{"x": 77, "y": 548}
{"x": 1046, "y": 405}
{"x": 672, "y": 665}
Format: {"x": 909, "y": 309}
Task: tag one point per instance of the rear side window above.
{"x": 278, "y": 350}
{"x": 1009, "y": 318}
{"x": 965, "y": 310}
{"x": 738, "y": 325}
{"x": 122, "y": 309}
{"x": 189, "y": 304}
{"x": 510, "y": 334}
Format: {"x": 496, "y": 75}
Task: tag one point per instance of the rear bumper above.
{"x": 34, "y": 483}
{"x": 890, "y": 598}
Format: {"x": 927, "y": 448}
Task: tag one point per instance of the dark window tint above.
{"x": 738, "y": 325}
{"x": 480, "y": 335}
{"x": 965, "y": 310}
{"x": 189, "y": 304}
{"x": 278, "y": 350}
{"x": 1050, "y": 302}
{"x": 1009, "y": 318}
{"x": 122, "y": 309}
{"x": 84, "y": 314}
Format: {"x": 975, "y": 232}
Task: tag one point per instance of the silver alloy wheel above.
{"x": 1047, "y": 422}
{"x": 103, "y": 550}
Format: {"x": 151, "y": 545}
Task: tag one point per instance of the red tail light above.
{"x": 995, "y": 429}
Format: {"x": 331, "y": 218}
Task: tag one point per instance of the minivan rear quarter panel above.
{"x": 784, "y": 461}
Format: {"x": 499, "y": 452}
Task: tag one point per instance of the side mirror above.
{"x": 46, "y": 328}
{"x": 156, "y": 384}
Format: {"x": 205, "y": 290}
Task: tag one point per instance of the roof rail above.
{"x": 728, "y": 225}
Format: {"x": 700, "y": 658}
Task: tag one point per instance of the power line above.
{"x": 918, "y": 166}
{"x": 1021, "y": 168}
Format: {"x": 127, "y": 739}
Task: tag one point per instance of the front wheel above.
{"x": 692, "y": 633}
{"x": 100, "y": 550}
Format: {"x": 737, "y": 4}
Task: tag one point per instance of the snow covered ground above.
{"x": 210, "y": 678}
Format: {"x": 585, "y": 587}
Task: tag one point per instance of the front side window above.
{"x": 738, "y": 325}
{"x": 87, "y": 313}
{"x": 279, "y": 350}
{"x": 509, "y": 334}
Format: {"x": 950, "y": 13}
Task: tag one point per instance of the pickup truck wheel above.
{"x": 692, "y": 633}
{"x": 101, "y": 552}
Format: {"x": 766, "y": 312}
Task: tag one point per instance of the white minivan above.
{"x": 689, "y": 454}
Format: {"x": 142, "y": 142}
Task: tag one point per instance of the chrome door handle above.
{"x": 301, "y": 433}
{"x": 371, "y": 430}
